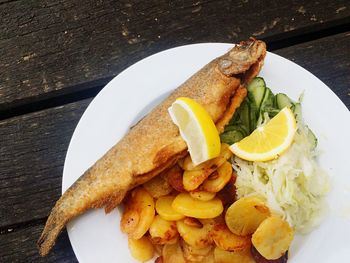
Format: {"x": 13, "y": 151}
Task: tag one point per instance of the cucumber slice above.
{"x": 272, "y": 112}
{"x": 231, "y": 137}
{"x": 282, "y": 100}
{"x": 239, "y": 128}
{"x": 256, "y": 82}
{"x": 297, "y": 111}
{"x": 245, "y": 114}
{"x": 267, "y": 103}
{"x": 253, "y": 115}
{"x": 256, "y": 91}
{"x": 312, "y": 138}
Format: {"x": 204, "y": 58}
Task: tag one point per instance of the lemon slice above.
{"x": 269, "y": 141}
{"x": 196, "y": 128}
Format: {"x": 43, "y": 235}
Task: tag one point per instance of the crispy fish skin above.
{"x": 154, "y": 143}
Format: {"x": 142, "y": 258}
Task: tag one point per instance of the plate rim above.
{"x": 150, "y": 57}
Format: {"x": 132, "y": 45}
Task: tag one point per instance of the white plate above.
{"x": 96, "y": 237}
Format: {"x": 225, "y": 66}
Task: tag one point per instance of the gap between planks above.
{"x": 84, "y": 94}
{"x": 343, "y": 25}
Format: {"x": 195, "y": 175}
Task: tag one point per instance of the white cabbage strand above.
{"x": 293, "y": 185}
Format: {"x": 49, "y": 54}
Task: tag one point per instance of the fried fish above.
{"x": 154, "y": 144}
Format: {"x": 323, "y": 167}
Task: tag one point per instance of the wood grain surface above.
{"x": 20, "y": 246}
{"x": 33, "y": 148}
{"x": 56, "y": 55}
{"x": 328, "y": 59}
{"x": 50, "y": 48}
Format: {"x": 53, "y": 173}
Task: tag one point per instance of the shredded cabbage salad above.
{"x": 292, "y": 185}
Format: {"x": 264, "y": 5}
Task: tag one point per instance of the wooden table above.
{"x": 55, "y": 56}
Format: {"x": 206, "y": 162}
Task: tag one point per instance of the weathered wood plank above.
{"x": 33, "y": 146}
{"x": 20, "y": 246}
{"x": 53, "y": 47}
{"x": 32, "y": 152}
{"x": 328, "y": 59}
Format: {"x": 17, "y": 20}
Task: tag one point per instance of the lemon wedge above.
{"x": 269, "y": 141}
{"x": 196, "y": 128}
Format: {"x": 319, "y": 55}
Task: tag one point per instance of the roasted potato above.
{"x": 225, "y": 154}
{"x": 192, "y": 254}
{"x": 273, "y": 237}
{"x": 260, "y": 259}
{"x": 226, "y": 240}
{"x": 202, "y": 195}
{"x": 172, "y": 253}
{"x": 163, "y": 231}
{"x": 141, "y": 249}
{"x": 192, "y": 179}
{"x": 228, "y": 194}
{"x": 222, "y": 256}
{"x": 245, "y": 215}
{"x": 197, "y": 237}
{"x": 186, "y": 205}
{"x": 190, "y": 221}
{"x": 165, "y": 210}
{"x": 174, "y": 178}
{"x": 158, "y": 186}
{"x": 215, "y": 184}
{"x": 138, "y": 213}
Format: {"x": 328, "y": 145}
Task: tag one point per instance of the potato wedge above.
{"x": 222, "y": 256}
{"x": 186, "y": 205}
{"x": 214, "y": 185}
{"x": 138, "y": 213}
{"x": 273, "y": 237}
{"x": 163, "y": 231}
{"x": 165, "y": 210}
{"x": 158, "y": 186}
{"x": 228, "y": 241}
{"x": 245, "y": 215}
{"x": 197, "y": 237}
{"x": 141, "y": 249}
{"x": 172, "y": 253}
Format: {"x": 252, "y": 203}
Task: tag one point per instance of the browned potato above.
{"x": 222, "y": 256}
{"x": 138, "y": 213}
{"x": 174, "y": 178}
{"x": 158, "y": 248}
{"x": 273, "y": 237}
{"x": 158, "y": 186}
{"x": 192, "y": 179}
{"x": 197, "y": 237}
{"x": 141, "y": 249}
{"x": 228, "y": 194}
{"x": 186, "y": 205}
{"x": 202, "y": 195}
{"x": 165, "y": 210}
{"x": 245, "y": 215}
{"x": 226, "y": 240}
{"x": 225, "y": 154}
{"x": 172, "y": 253}
{"x": 214, "y": 185}
{"x": 192, "y": 254}
{"x": 163, "y": 231}
{"x": 260, "y": 259}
